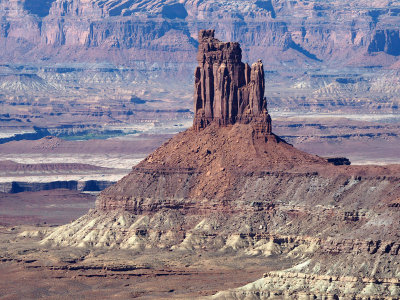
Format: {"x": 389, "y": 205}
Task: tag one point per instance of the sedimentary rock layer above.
{"x": 228, "y": 91}
{"x": 125, "y": 31}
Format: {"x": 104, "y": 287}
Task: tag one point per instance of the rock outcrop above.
{"x": 228, "y": 91}
{"x": 286, "y": 285}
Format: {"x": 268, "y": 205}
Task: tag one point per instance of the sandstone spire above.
{"x": 228, "y": 91}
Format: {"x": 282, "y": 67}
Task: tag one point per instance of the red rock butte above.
{"x": 229, "y": 148}
{"x": 228, "y": 91}
{"x": 228, "y": 185}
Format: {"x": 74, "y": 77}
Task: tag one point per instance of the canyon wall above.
{"x": 278, "y": 32}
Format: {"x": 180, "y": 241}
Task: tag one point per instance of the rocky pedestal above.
{"x": 228, "y": 91}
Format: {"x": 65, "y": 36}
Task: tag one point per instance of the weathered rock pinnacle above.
{"x": 228, "y": 91}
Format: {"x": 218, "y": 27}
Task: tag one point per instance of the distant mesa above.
{"x": 228, "y": 91}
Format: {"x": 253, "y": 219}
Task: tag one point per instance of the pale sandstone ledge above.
{"x": 300, "y": 286}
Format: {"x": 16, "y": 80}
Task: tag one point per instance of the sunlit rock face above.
{"x": 226, "y": 89}
{"x": 293, "y": 32}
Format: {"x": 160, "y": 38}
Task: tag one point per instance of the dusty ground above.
{"x": 51, "y": 159}
{"x": 364, "y": 139}
{"x": 110, "y": 153}
{"x": 53, "y": 207}
{"x": 141, "y": 284}
{"x": 29, "y": 271}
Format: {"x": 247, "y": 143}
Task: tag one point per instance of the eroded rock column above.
{"x": 227, "y": 90}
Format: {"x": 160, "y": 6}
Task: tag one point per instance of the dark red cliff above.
{"x": 228, "y": 91}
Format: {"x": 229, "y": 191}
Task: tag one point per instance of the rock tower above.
{"x": 228, "y": 91}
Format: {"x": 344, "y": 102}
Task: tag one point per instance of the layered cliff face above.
{"x": 228, "y": 91}
{"x": 120, "y": 31}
